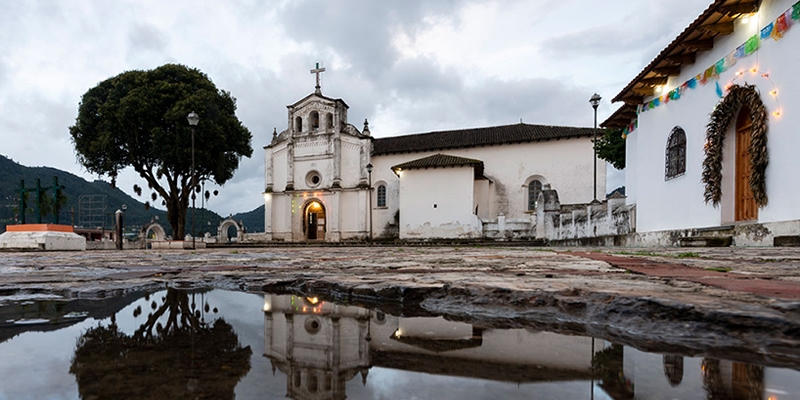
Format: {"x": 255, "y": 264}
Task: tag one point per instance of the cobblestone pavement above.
{"x": 610, "y": 270}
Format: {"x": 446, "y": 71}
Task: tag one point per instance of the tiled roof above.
{"x": 441, "y": 161}
{"x": 475, "y": 137}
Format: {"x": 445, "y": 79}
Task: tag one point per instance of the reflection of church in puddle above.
{"x": 320, "y": 346}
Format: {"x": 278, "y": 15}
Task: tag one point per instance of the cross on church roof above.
{"x": 318, "y": 71}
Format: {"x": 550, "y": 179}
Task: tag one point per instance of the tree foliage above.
{"x": 138, "y": 119}
{"x": 611, "y": 147}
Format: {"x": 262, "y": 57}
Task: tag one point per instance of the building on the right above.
{"x": 712, "y": 128}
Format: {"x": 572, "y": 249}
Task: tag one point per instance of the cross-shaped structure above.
{"x": 318, "y": 70}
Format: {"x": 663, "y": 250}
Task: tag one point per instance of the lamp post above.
{"x": 193, "y": 119}
{"x": 595, "y": 101}
{"x": 369, "y": 172}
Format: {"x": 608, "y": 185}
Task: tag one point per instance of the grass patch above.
{"x": 719, "y": 269}
{"x": 688, "y": 254}
{"x": 235, "y": 252}
{"x": 641, "y": 253}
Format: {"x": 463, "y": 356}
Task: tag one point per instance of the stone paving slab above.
{"x": 758, "y": 284}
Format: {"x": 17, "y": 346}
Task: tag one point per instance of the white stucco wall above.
{"x": 437, "y": 203}
{"x": 565, "y": 164}
{"x": 678, "y": 203}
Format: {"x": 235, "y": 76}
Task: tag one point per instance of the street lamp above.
{"x": 369, "y": 172}
{"x": 595, "y": 101}
{"x": 193, "y": 119}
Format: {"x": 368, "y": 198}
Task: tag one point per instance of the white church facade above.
{"x": 326, "y": 180}
{"x": 711, "y": 126}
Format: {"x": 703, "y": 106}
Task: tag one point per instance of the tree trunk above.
{"x": 176, "y": 215}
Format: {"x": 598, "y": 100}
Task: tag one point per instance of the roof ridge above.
{"x": 485, "y": 127}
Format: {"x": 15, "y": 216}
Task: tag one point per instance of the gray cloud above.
{"x": 146, "y": 37}
{"x": 646, "y": 31}
{"x": 361, "y": 31}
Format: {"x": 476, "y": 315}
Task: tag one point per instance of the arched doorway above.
{"x": 745, "y": 208}
{"x": 314, "y": 221}
{"x": 153, "y": 231}
{"x": 228, "y": 229}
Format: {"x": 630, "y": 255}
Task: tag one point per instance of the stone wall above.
{"x": 503, "y": 228}
{"x": 555, "y": 222}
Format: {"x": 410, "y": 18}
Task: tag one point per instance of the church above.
{"x": 711, "y": 130}
{"x": 327, "y": 180}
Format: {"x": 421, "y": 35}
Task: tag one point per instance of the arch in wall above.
{"x": 313, "y": 120}
{"x": 156, "y": 229}
{"x": 673, "y": 368}
{"x": 298, "y": 124}
{"x": 314, "y": 223}
{"x": 380, "y": 194}
{"x": 222, "y": 230}
{"x": 328, "y": 121}
{"x": 533, "y": 186}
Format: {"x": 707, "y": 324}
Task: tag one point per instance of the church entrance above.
{"x": 745, "y": 208}
{"x": 314, "y": 221}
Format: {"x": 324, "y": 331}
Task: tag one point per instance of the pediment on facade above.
{"x": 314, "y": 98}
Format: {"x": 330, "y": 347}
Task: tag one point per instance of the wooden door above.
{"x": 312, "y": 225}
{"x": 745, "y": 208}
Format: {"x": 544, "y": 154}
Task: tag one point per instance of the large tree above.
{"x": 138, "y": 119}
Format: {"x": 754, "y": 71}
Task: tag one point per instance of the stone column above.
{"x": 290, "y": 166}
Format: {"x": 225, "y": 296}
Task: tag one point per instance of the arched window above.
{"x": 298, "y": 124}
{"x": 329, "y": 121}
{"x": 382, "y": 196}
{"x": 534, "y": 189}
{"x": 314, "y": 117}
{"x": 675, "y": 164}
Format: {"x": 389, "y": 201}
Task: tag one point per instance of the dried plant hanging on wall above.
{"x": 726, "y": 110}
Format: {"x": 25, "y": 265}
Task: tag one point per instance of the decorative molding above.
{"x": 721, "y": 118}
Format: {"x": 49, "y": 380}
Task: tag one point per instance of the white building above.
{"x": 736, "y": 178}
{"x": 460, "y": 184}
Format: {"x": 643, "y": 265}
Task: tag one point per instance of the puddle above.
{"x": 223, "y": 344}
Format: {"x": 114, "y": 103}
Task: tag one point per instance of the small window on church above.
{"x": 382, "y": 196}
{"x": 534, "y": 189}
{"x": 314, "y": 120}
{"x": 329, "y": 119}
{"x": 676, "y": 154}
{"x": 313, "y": 179}
{"x": 298, "y": 124}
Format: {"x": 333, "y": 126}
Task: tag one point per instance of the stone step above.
{"x": 706, "y": 241}
{"x": 786, "y": 241}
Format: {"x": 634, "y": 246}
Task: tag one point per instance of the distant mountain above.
{"x": 253, "y": 220}
{"x": 99, "y": 201}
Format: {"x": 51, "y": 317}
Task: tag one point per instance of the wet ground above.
{"x": 741, "y": 305}
{"x": 224, "y": 344}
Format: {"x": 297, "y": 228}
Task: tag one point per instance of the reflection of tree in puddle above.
{"x": 185, "y": 357}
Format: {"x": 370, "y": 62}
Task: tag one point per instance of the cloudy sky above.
{"x": 408, "y": 66}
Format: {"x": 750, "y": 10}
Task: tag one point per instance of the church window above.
{"x": 382, "y": 196}
{"x": 534, "y": 189}
{"x": 313, "y": 179}
{"x": 329, "y": 119}
{"x": 298, "y": 124}
{"x": 676, "y": 154}
{"x": 298, "y": 379}
{"x": 312, "y": 325}
{"x": 314, "y": 120}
